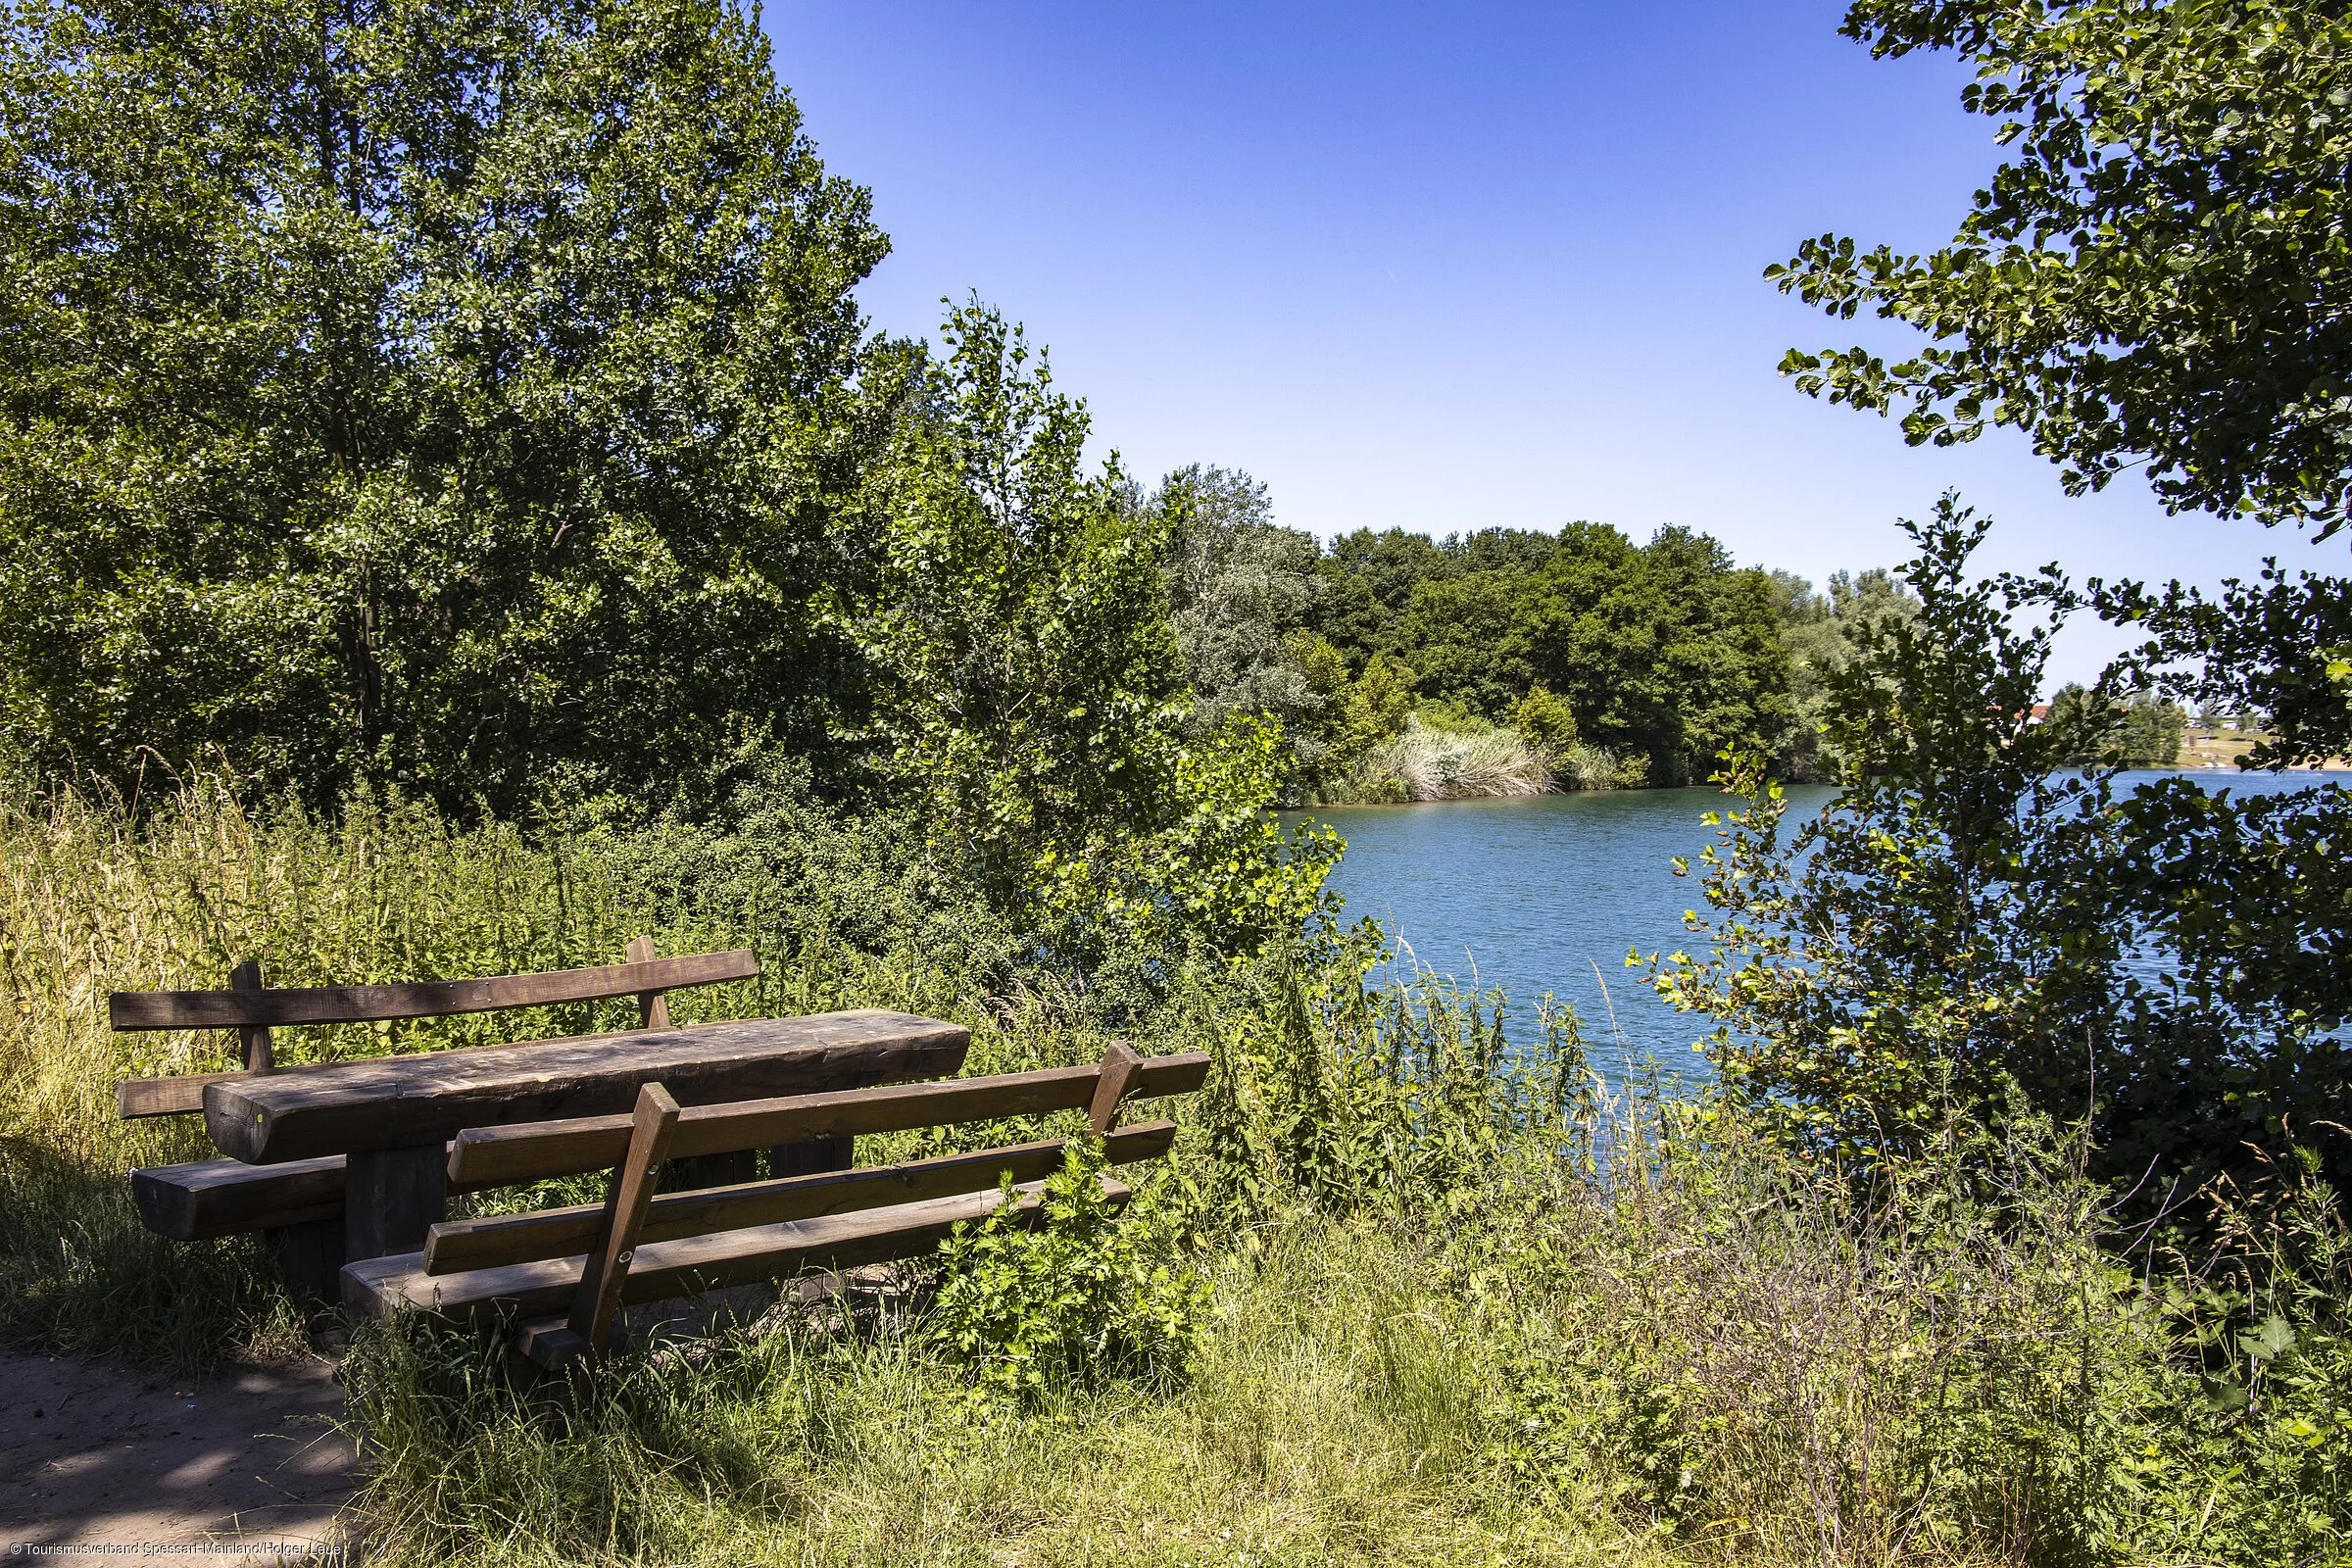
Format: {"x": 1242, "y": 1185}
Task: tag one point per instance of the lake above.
{"x": 1546, "y": 893}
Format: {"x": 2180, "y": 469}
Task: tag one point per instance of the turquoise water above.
{"x": 1546, "y": 893}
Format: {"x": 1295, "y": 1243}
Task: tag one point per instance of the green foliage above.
{"x": 1019, "y": 625}
{"x": 2279, "y": 646}
{"x": 1238, "y": 590}
{"x": 1079, "y": 1301}
{"x": 1819, "y": 630}
{"x": 2154, "y": 271}
{"x": 1666, "y": 651}
{"x": 1354, "y": 713}
{"x": 1223, "y": 878}
{"x": 1966, "y": 918}
{"x": 1633, "y": 1332}
{"x": 442, "y": 395}
{"x": 1389, "y": 1101}
{"x": 2139, "y": 732}
{"x": 1546, "y": 720}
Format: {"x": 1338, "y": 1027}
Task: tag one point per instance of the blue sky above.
{"x": 1448, "y": 267}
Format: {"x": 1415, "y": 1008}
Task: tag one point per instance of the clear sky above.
{"x": 1452, "y": 267}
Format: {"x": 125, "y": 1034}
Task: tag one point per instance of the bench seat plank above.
{"x": 488, "y": 1243}
{"x": 396, "y": 1101}
{"x": 382, "y": 1287}
{"x": 497, "y": 1156}
{"x": 207, "y": 1198}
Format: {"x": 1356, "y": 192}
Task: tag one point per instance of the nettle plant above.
{"x": 1073, "y": 1304}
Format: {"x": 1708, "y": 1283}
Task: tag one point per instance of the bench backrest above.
{"x": 252, "y": 1010}
{"x": 637, "y": 1146}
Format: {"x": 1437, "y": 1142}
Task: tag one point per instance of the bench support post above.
{"x": 308, "y": 1259}
{"x": 1119, "y": 1064}
{"x": 391, "y": 1197}
{"x": 599, "y": 1298}
{"x": 309, "y": 1256}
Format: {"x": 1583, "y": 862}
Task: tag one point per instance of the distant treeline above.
{"x": 1610, "y": 663}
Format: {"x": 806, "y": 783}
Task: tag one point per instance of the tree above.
{"x": 1819, "y": 632}
{"x": 2158, "y": 273}
{"x": 1967, "y": 923}
{"x": 1666, "y": 650}
{"x": 435, "y": 394}
{"x": 1722, "y": 655}
{"x": 1239, "y": 587}
{"x": 1369, "y": 579}
{"x": 1468, "y": 638}
{"x": 2158, "y": 276}
{"x": 2140, "y": 731}
{"x": 1033, "y": 686}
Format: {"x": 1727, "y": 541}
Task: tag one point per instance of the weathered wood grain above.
{"x": 209, "y": 1198}
{"x": 494, "y": 1157}
{"x": 622, "y": 1217}
{"x": 185, "y": 1092}
{"x": 381, "y": 1287}
{"x": 418, "y": 999}
{"x": 390, "y": 1101}
{"x": 491, "y": 1243}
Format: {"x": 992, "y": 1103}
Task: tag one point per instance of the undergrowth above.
{"x": 1412, "y": 1286}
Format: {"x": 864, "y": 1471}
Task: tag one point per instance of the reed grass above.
{"x": 1425, "y": 761}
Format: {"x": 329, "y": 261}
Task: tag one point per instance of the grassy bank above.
{"x": 1445, "y": 1298}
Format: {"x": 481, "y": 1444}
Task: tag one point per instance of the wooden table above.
{"x": 391, "y": 1116}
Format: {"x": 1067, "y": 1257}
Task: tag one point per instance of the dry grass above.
{"x": 1422, "y": 763}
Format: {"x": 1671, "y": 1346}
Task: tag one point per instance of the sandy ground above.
{"x": 242, "y": 1468}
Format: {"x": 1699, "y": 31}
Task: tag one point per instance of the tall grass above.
{"x": 1663, "y": 1351}
{"x": 96, "y": 897}
{"x": 1461, "y": 1304}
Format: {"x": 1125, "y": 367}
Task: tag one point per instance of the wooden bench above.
{"x": 565, "y": 1273}
{"x": 299, "y": 1206}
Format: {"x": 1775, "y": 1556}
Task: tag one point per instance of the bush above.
{"x": 1077, "y": 1301}
{"x": 1545, "y": 720}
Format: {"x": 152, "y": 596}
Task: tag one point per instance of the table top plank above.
{"x": 400, "y": 1102}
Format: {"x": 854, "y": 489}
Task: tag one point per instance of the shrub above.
{"x": 1545, "y": 720}
{"x": 1076, "y": 1301}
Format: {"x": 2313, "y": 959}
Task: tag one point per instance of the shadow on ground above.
{"x": 95, "y": 1452}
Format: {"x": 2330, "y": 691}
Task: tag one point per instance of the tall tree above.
{"x": 1239, "y": 587}
{"x": 434, "y": 393}
{"x": 1033, "y": 687}
{"x": 2158, "y": 275}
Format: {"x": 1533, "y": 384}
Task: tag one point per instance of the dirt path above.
{"x": 96, "y": 1455}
